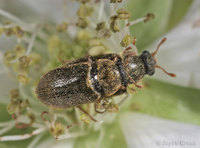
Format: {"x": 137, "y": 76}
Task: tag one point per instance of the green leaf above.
{"x": 110, "y": 136}
{"x": 167, "y": 101}
{"x": 168, "y": 13}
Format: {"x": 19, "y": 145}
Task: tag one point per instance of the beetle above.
{"x": 95, "y": 78}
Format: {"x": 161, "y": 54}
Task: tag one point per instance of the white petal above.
{"x": 6, "y": 81}
{"x": 181, "y": 53}
{"x": 41, "y": 10}
{"x": 53, "y": 143}
{"x": 143, "y": 131}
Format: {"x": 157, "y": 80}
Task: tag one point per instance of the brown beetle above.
{"x": 95, "y": 78}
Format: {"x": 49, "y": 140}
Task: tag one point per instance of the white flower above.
{"x": 181, "y": 53}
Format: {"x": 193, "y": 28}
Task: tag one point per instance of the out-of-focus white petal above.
{"x": 53, "y": 143}
{"x": 143, "y": 131}
{"x": 41, "y": 10}
{"x": 7, "y": 83}
{"x": 181, "y": 53}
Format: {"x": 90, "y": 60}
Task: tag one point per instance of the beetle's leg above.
{"x": 133, "y": 82}
{"x": 128, "y": 53}
{"x": 84, "y": 111}
{"x": 112, "y": 107}
{"x": 107, "y": 105}
{"x": 89, "y": 60}
{"x": 132, "y": 90}
{"x": 115, "y": 59}
{"x": 96, "y": 108}
{"x": 99, "y": 105}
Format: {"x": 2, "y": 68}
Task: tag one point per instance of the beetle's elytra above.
{"x": 90, "y": 79}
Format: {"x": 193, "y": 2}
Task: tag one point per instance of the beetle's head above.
{"x": 150, "y": 62}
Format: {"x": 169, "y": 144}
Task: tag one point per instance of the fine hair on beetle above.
{"x": 96, "y": 79}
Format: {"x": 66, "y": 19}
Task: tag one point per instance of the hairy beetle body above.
{"x": 82, "y": 81}
{"x": 66, "y": 87}
{"x": 95, "y": 78}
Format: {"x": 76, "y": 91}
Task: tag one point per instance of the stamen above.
{"x": 143, "y": 19}
{"x": 170, "y": 74}
{"x": 155, "y": 52}
{"x": 8, "y": 15}
{"x": 22, "y": 137}
{"x": 136, "y": 21}
{"x": 31, "y": 43}
{"x": 101, "y": 11}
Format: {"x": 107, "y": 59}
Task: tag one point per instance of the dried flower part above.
{"x": 82, "y": 23}
{"x": 112, "y": 107}
{"x": 126, "y": 40}
{"x": 149, "y": 16}
{"x": 9, "y": 56}
{"x": 8, "y": 31}
{"x": 84, "y": 11}
{"x": 24, "y": 62}
{"x": 57, "y": 129}
{"x": 23, "y": 79}
{"x": 123, "y": 14}
{"x": 62, "y": 27}
{"x": 83, "y": 1}
{"x": 25, "y": 104}
{"x": 114, "y": 17}
{"x": 116, "y": 1}
{"x": 104, "y": 33}
{"x": 12, "y": 107}
{"x": 14, "y": 93}
{"x": 17, "y": 31}
{"x": 100, "y": 26}
{"x": 17, "y": 104}
{"x": 19, "y": 50}
{"x": 31, "y": 117}
{"x": 114, "y": 26}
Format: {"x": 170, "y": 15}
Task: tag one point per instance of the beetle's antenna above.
{"x": 157, "y": 66}
{"x": 155, "y": 52}
{"x": 170, "y": 74}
